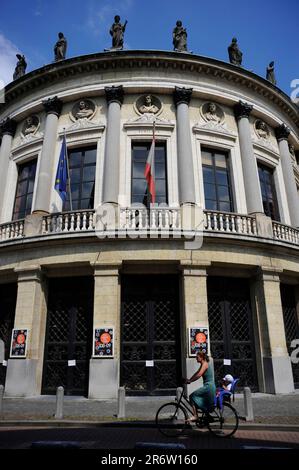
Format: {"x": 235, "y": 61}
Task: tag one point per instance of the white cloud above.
{"x": 8, "y": 59}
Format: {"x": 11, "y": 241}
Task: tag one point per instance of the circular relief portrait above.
{"x": 83, "y": 109}
{"x": 261, "y": 129}
{"x": 212, "y": 113}
{"x": 31, "y": 125}
{"x": 148, "y": 104}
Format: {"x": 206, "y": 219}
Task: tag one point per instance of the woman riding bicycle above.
{"x": 203, "y": 397}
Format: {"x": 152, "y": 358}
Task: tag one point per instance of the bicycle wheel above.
{"x": 223, "y": 423}
{"x": 171, "y": 419}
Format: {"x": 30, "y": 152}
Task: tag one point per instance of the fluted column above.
{"x": 282, "y": 134}
{"x": 114, "y": 97}
{"x": 45, "y": 181}
{"x": 182, "y": 98}
{"x": 250, "y": 172}
{"x": 7, "y": 129}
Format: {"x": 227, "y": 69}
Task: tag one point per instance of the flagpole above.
{"x": 68, "y": 174}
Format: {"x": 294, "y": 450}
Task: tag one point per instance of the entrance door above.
{"x": 68, "y": 336}
{"x": 231, "y": 330}
{"x": 8, "y": 298}
{"x": 150, "y": 355}
{"x": 291, "y": 323}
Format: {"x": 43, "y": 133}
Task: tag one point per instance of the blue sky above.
{"x": 265, "y": 30}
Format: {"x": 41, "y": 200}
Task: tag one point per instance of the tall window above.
{"x": 82, "y": 164}
{"x": 268, "y": 192}
{"x": 24, "y": 192}
{"x": 139, "y": 185}
{"x": 216, "y": 178}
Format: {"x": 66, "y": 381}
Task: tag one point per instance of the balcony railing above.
{"x": 159, "y": 220}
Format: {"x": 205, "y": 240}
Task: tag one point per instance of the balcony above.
{"x": 162, "y": 222}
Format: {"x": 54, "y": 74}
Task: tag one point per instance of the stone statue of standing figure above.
{"x": 117, "y": 32}
{"x": 270, "y": 73}
{"x": 20, "y": 69}
{"x": 60, "y": 48}
{"x": 179, "y": 36}
{"x": 234, "y": 53}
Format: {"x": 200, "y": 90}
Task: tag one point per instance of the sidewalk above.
{"x": 268, "y": 409}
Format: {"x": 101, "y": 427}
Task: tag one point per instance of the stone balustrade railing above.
{"x": 12, "y": 230}
{"x": 159, "y": 220}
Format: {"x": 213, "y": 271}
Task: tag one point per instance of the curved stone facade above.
{"x": 225, "y": 229}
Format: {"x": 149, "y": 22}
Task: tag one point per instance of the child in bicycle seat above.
{"x": 226, "y": 384}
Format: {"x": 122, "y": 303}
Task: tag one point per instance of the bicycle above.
{"x": 221, "y": 421}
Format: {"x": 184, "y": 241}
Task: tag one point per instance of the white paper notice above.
{"x": 149, "y": 363}
{"x": 71, "y": 363}
{"x": 4, "y": 363}
{"x": 227, "y": 362}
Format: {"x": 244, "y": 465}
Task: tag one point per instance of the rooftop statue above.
{"x": 60, "y": 48}
{"x": 179, "y": 36}
{"x": 270, "y": 73}
{"x": 20, "y": 69}
{"x": 117, "y": 32}
{"x": 234, "y": 53}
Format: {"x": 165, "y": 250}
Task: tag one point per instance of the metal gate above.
{"x": 68, "y": 335}
{"x": 8, "y": 298}
{"x": 150, "y": 353}
{"x": 291, "y": 323}
{"x": 231, "y": 332}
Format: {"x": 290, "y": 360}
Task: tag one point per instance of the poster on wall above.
{"x": 19, "y": 341}
{"x": 103, "y": 342}
{"x": 198, "y": 340}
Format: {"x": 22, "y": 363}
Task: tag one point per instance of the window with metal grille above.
{"x": 268, "y": 192}
{"x": 216, "y": 178}
{"x": 139, "y": 192}
{"x": 24, "y": 192}
{"x": 82, "y": 165}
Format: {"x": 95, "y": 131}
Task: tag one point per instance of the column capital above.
{"x": 8, "y": 127}
{"x": 114, "y": 94}
{"x": 242, "y": 109}
{"x": 53, "y": 106}
{"x": 29, "y": 273}
{"x": 197, "y": 269}
{"x": 269, "y": 273}
{"x": 182, "y": 95}
{"x": 106, "y": 269}
{"x": 282, "y": 132}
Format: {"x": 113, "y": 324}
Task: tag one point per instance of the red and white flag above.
{"x": 149, "y": 171}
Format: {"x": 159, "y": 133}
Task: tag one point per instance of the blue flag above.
{"x": 62, "y": 172}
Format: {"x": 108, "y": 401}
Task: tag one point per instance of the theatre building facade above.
{"x": 104, "y": 289}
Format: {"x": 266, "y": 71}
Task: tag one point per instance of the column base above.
{"x": 21, "y": 378}
{"x": 278, "y": 375}
{"x": 103, "y": 378}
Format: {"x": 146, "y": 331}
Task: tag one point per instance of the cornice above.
{"x": 120, "y": 60}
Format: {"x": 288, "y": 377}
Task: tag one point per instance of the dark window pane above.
{"x": 140, "y": 153}
{"x": 220, "y": 160}
{"x": 160, "y": 187}
{"x": 87, "y": 190}
{"x": 223, "y": 193}
{"x": 206, "y": 158}
{"x": 224, "y": 206}
{"x": 138, "y": 170}
{"x": 160, "y": 170}
{"x": 24, "y": 190}
{"x": 210, "y": 191}
{"x": 139, "y": 186}
{"x": 221, "y": 177}
{"x": 268, "y": 192}
{"x": 75, "y": 188}
{"x": 90, "y": 156}
{"x": 208, "y": 175}
{"x": 29, "y": 204}
{"x": 75, "y": 159}
{"x": 211, "y": 205}
{"x": 88, "y": 173}
{"x": 75, "y": 176}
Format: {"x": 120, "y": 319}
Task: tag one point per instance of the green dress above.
{"x": 203, "y": 397}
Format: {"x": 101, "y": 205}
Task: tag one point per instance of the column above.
{"x": 7, "y": 129}
{"x": 45, "y": 181}
{"x": 114, "y": 97}
{"x": 278, "y": 376}
{"x": 104, "y": 373}
{"x": 282, "y": 134}
{"x": 182, "y": 98}
{"x": 195, "y": 308}
{"x": 24, "y": 376}
{"x": 250, "y": 172}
